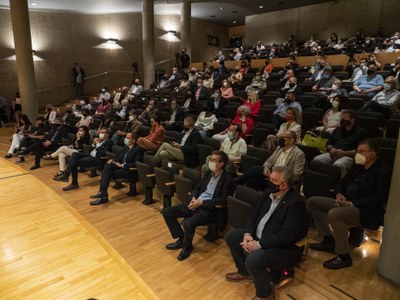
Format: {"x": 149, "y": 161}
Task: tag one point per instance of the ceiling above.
{"x": 228, "y": 13}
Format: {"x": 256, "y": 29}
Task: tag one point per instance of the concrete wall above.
{"x": 344, "y": 17}
{"x": 61, "y": 39}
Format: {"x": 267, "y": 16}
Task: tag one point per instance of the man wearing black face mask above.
{"x": 368, "y": 85}
{"x": 287, "y": 154}
{"x": 342, "y": 144}
{"x": 186, "y": 150}
{"x": 269, "y": 239}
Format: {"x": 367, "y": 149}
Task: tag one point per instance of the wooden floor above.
{"x": 139, "y": 235}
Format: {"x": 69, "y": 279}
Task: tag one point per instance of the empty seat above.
{"x": 165, "y": 180}
{"x": 146, "y": 174}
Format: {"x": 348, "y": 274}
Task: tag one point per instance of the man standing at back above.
{"x": 79, "y": 79}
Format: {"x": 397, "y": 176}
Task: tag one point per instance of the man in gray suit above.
{"x": 287, "y": 155}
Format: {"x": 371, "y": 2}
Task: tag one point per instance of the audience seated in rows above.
{"x": 368, "y": 85}
{"x": 280, "y": 112}
{"x": 155, "y": 138}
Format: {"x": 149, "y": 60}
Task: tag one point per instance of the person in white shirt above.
{"x": 135, "y": 89}
{"x": 104, "y": 95}
{"x": 205, "y": 121}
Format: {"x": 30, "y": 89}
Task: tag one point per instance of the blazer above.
{"x": 179, "y": 115}
{"x": 287, "y": 225}
{"x": 106, "y": 146}
{"x": 224, "y": 188}
{"x": 369, "y": 194}
{"x": 132, "y": 155}
{"x": 295, "y": 160}
{"x": 189, "y": 149}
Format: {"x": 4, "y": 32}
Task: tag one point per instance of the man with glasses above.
{"x": 208, "y": 195}
{"x": 287, "y": 154}
{"x": 267, "y": 245}
{"x": 360, "y": 201}
{"x": 101, "y": 145}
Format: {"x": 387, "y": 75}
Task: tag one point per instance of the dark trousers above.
{"x": 83, "y": 160}
{"x": 377, "y": 107}
{"x": 253, "y": 178}
{"x": 259, "y": 261}
{"x": 192, "y": 220}
{"x": 40, "y": 150}
{"x": 111, "y": 171}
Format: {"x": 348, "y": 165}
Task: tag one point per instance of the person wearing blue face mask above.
{"x": 385, "y": 101}
{"x": 324, "y": 85}
{"x": 119, "y": 168}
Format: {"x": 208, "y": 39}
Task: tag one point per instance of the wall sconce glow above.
{"x": 171, "y": 32}
{"x": 33, "y": 52}
{"x": 170, "y": 36}
{"x": 112, "y": 41}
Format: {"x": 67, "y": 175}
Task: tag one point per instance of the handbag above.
{"x": 312, "y": 139}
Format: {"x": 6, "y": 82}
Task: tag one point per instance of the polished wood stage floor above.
{"x": 54, "y": 245}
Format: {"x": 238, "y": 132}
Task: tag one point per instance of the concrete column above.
{"x": 23, "y": 53}
{"x": 148, "y": 42}
{"x": 186, "y": 27}
{"x": 389, "y": 258}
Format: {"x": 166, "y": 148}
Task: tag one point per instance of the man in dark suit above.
{"x": 201, "y": 92}
{"x": 119, "y": 168}
{"x": 209, "y": 194}
{"x": 79, "y": 79}
{"x": 176, "y": 117}
{"x": 360, "y": 201}
{"x": 186, "y": 150}
{"x": 102, "y": 144}
{"x": 270, "y": 237}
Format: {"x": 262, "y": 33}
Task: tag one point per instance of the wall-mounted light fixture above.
{"x": 112, "y": 41}
{"x": 33, "y": 52}
{"x": 171, "y": 32}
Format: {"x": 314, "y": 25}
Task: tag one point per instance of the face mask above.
{"x": 212, "y": 166}
{"x": 103, "y": 90}
{"x": 334, "y": 87}
{"x": 362, "y": 65}
{"x": 101, "y": 136}
{"x": 199, "y": 84}
{"x": 288, "y": 118}
{"x": 281, "y": 143}
{"x": 126, "y": 141}
{"x": 335, "y": 104}
{"x": 292, "y": 85}
{"x": 230, "y": 136}
{"x": 345, "y": 123}
{"x": 387, "y": 86}
{"x": 131, "y": 118}
{"x": 360, "y": 159}
{"x": 370, "y": 72}
{"x": 273, "y": 188}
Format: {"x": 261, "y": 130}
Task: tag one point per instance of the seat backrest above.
{"x": 310, "y": 119}
{"x": 387, "y": 142}
{"x": 215, "y": 144}
{"x": 317, "y": 184}
{"x": 259, "y": 136}
{"x": 392, "y": 128}
{"x": 144, "y": 169}
{"x": 248, "y": 195}
{"x": 186, "y": 183}
{"x": 258, "y": 152}
{"x": 162, "y": 177}
{"x": 203, "y": 151}
{"x": 328, "y": 169}
{"x": 309, "y": 152}
{"x": 116, "y": 149}
{"x": 247, "y": 161}
{"x": 370, "y": 125}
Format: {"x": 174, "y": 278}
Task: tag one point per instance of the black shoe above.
{"x": 281, "y": 277}
{"x": 148, "y": 201}
{"x": 174, "y": 246}
{"x": 323, "y": 246}
{"x": 185, "y": 252}
{"x": 99, "y": 201}
{"x": 20, "y": 160}
{"x": 118, "y": 186}
{"x": 62, "y": 178}
{"x": 93, "y": 174}
{"x": 71, "y": 187}
{"x": 357, "y": 236}
{"x": 337, "y": 263}
{"x": 8, "y": 155}
{"x": 34, "y": 167}
{"x": 98, "y": 195}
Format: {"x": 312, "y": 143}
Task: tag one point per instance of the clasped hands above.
{"x": 249, "y": 244}
{"x": 195, "y": 203}
{"x": 111, "y": 161}
{"x": 342, "y": 201}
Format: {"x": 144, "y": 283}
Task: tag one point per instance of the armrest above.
{"x": 132, "y": 169}
{"x": 172, "y": 183}
{"x": 151, "y": 175}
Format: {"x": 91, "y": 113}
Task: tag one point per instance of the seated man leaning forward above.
{"x": 270, "y": 237}
{"x": 287, "y": 154}
{"x": 186, "y": 150}
{"x": 360, "y": 199}
{"x": 210, "y": 193}
{"x": 119, "y": 168}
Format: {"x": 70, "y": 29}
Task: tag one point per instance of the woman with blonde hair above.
{"x": 253, "y": 102}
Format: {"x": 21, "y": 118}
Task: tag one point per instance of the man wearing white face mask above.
{"x": 360, "y": 199}
{"x": 210, "y": 193}
{"x": 119, "y": 168}
{"x": 385, "y": 101}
